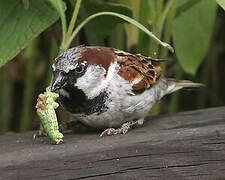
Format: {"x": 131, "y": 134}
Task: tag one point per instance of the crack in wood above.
{"x": 96, "y": 175}
{"x": 177, "y": 166}
{"x": 154, "y": 153}
{"x": 201, "y": 124}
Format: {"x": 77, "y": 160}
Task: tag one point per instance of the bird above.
{"x": 110, "y": 89}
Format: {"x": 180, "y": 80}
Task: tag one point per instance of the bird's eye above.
{"x": 80, "y": 68}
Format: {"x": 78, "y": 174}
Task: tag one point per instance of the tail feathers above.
{"x": 174, "y": 85}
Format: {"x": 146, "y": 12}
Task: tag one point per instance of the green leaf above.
{"x": 19, "y": 25}
{"x": 125, "y": 18}
{"x": 192, "y": 31}
{"x": 60, "y": 6}
{"x": 221, "y": 3}
{"x": 100, "y": 28}
{"x": 184, "y": 5}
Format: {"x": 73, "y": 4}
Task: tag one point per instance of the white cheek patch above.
{"x": 92, "y": 82}
{"x": 64, "y": 93}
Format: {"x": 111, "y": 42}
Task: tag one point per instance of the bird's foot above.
{"x": 39, "y": 133}
{"x": 122, "y": 130}
{"x": 65, "y": 127}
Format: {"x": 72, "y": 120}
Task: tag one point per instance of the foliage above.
{"x": 19, "y": 25}
{"x": 221, "y": 3}
{"x": 192, "y": 40}
{"x": 96, "y": 32}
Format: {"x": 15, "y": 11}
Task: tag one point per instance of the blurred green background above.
{"x": 31, "y": 34}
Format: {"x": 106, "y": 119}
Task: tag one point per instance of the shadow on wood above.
{"x": 188, "y": 145}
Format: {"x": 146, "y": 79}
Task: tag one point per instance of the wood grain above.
{"x": 188, "y": 145}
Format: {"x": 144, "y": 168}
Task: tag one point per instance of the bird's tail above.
{"x": 174, "y": 85}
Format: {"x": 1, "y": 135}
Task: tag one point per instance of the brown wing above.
{"x": 140, "y": 70}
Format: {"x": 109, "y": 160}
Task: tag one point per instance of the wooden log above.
{"x": 188, "y": 145}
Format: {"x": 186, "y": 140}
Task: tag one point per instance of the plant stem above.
{"x": 151, "y": 6}
{"x": 159, "y": 22}
{"x": 5, "y": 100}
{"x": 168, "y": 27}
{"x": 2, "y": 127}
{"x": 174, "y": 102}
{"x": 126, "y": 18}
{"x": 169, "y": 7}
{"x": 67, "y": 39}
{"x": 211, "y": 63}
{"x": 173, "y": 106}
{"x": 59, "y": 6}
{"x": 52, "y": 55}
{"x": 129, "y": 29}
{"x": 64, "y": 24}
{"x": 168, "y": 31}
{"x": 26, "y": 4}
{"x": 154, "y": 46}
{"x": 156, "y": 28}
{"x": 159, "y": 7}
{"x": 74, "y": 18}
{"x": 31, "y": 55}
{"x": 117, "y": 38}
{"x": 144, "y": 17}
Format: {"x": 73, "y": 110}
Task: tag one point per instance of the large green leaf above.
{"x": 98, "y": 29}
{"x": 192, "y": 31}
{"x": 184, "y": 5}
{"x": 19, "y": 25}
{"x": 221, "y": 3}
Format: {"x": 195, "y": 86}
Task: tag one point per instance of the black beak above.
{"x": 59, "y": 81}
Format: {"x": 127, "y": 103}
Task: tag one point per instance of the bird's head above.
{"x": 79, "y": 73}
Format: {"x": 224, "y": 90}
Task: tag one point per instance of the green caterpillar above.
{"x": 46, "y": 106}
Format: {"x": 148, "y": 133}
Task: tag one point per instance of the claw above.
{"x": 122, "y": 130}
{"x": 39, "y": 133}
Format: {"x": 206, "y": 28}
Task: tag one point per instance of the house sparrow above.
{"x": 109, "y": 88}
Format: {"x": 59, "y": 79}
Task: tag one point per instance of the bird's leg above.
{"x": 39, "y": 133}
{"x": 123, "y": 129}
{"x": 65, "y": 127}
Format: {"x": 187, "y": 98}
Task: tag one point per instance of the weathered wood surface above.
{"x": 188, "y": 145}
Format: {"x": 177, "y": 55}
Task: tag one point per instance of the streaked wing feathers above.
{"x": 141, "y": 71}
